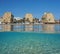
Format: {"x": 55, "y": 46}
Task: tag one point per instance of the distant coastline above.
{"x": 47, "y": 18}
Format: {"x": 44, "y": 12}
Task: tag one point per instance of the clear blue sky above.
{"x": 36, "y": 7}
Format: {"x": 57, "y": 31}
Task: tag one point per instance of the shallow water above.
{"x": 29, "y": 43}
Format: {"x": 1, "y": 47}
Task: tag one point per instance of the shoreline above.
{"x": 27, "y": 23}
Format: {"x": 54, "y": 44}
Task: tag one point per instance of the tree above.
{"x": 24, "y": 20}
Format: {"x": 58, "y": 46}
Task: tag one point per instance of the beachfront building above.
{"x": 57, "y": 21}
{"x": 48, "y": 18}
{"x": 17, "y": 20}
{"x": 28, "y": 18}
{"x": 8, "y": 17}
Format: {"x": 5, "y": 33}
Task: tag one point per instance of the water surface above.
{"x": 31, "y": 28}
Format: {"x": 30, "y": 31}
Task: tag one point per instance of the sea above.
{"x": 30, "y": 39}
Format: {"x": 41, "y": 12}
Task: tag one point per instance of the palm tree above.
{"x": 24, "y": 20}
{"x": 35, "y": 20}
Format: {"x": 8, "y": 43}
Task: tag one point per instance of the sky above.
{"x": 35, "y": 7}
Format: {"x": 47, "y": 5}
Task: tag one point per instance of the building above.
{"x": 29, "y": 17}
{"x": 48, "y": 17}
{"x": 17, "y": 19}
{"x": 57, "y": 21}
{"x": 8, "y": 17}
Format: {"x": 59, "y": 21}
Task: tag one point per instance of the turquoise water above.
{"x": 29, "y": 43}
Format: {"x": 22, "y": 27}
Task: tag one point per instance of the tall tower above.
{"x": 48, "y": 17}
{"x": 8, "y": 17}
{"x": 29, "y": 17}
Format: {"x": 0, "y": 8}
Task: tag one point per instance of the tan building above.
{"x": 48, "y": 17}
{"x": 8, "y": 17}
{"x": 29, "y": 17}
